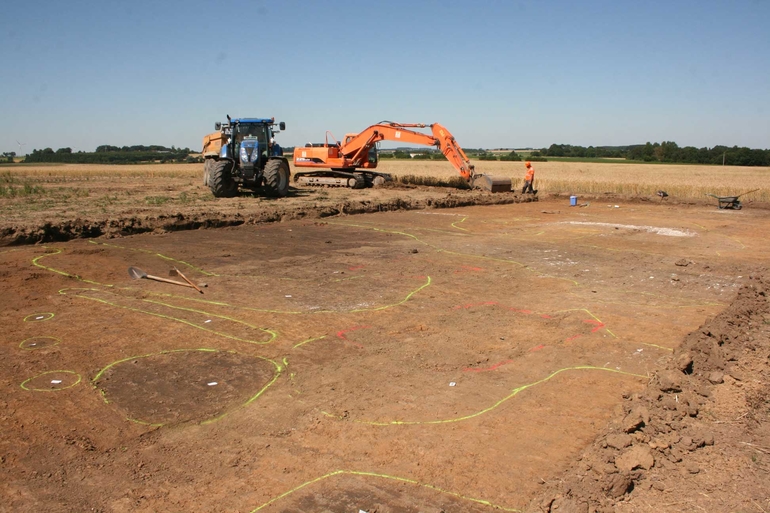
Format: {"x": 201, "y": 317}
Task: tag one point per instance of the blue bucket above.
{"x": 573, "y": 201}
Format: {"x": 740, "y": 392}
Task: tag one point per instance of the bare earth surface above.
{"x": 466, "y": 359}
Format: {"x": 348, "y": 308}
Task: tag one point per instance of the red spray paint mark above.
{"x": 572, "y": 338}
{"x": 599, "y": 324}
{"x": 495, "y": 366}
{"x": 355, "y": 267}
{"x": 495, "y": 303}
{"x": 341, "y": 334}
{"x": 471, "y": 305}
{"x": 468, "y": 269}
{"x": 536, "y": 348}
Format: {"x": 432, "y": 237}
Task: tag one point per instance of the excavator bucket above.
{"x": 492, "y": 183}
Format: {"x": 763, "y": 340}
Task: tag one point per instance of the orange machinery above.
{"x": 350, "y": 163}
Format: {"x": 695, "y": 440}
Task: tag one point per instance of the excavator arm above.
{"x": 357, "y": 147}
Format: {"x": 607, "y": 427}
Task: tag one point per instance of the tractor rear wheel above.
{"x": 277, "y": 178}
{"x": 221, "y": 180}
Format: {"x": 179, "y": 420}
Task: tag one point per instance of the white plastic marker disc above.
{"x": 452, "y": 384}
{"x": 212, "y": 383}
{"x": 55, "y": 381}
{"x": 204, "y": 322}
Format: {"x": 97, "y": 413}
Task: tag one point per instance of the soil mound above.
{"x": 123, "y": 225}
{"x": 691, "y": 419}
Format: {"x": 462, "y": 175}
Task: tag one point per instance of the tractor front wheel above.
{"x": 277, "y": 178}
{"x": 221, "y": 180}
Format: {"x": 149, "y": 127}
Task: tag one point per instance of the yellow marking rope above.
{"x": 46, "y": 316}
{"x": 460, "y": 221}
{"x": 273, "y": 334}
{"x": 383, "y": 230}
{"x": 513, "y": 393}
{"x": 381, "y": 476}
{"x": 309, "y": 340}
{"x": 21, "y": 345}
{"x": 23, "y": 385}
{"x": 164, "y": 257}
{"x": 36, "y": 262}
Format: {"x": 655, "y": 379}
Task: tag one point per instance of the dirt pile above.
{"x": 119, "y": 226}
{"x": 711, "y": 394}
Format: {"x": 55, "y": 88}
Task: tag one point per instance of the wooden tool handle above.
{"x": 188, "y": 281}
{"x": 165, "y": 280}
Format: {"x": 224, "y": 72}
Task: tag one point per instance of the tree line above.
{"x": 162, "y": 149}
{"x": 591, "y": 152}
{"x": 667, "y": 151}
{"x": 113, "y": 155}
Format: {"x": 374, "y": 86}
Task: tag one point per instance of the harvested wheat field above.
{"x": 399, "y": 349}
{"x": 685, "y": 182}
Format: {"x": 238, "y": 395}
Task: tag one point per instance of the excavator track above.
{"x": 340, "y": 178}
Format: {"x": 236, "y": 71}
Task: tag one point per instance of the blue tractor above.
{"x": 243, "y": 153}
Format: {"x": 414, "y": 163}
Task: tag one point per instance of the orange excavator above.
{"x": 350, "y": 163}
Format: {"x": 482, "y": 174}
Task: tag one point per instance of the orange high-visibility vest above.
{"x": 530, "y": 174}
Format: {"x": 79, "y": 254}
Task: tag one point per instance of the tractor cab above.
{"x": 257, "y": 131}
{"x": 247, "y": 156}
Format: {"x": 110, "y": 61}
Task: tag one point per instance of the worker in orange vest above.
{"x": 529, "y": 179}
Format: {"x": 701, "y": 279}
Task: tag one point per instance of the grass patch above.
{"x": 456, "y": 182}
{"x": 156, "y": 200}
{"x": 11, "y": 188}
{"x": 55, "y": 172}
{"x": 107, "y": 200}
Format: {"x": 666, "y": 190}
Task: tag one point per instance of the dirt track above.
{"x": 404, "y": 361}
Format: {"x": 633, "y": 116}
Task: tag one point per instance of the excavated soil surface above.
{"x": 482, "y": 358}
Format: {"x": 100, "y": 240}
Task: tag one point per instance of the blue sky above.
{"x": 496, "y": 73}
